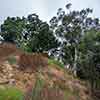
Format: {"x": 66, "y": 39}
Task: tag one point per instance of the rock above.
{"x": 4, "y": 77}
{"x": 12, "y": 81}
{"x": 11, "y": 75}
{"x": 3, "y": 81}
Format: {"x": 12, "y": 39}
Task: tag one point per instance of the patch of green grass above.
{"x": 10, "y": 93}
{"x": 52, "y": 61}
{"x": 12, "y": 60}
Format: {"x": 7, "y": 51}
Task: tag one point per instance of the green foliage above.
{"x": 41, "y": 38}
{"x": 80, "y": 45}
{"x": 90, "y": 57}
{"x": 10, "y": 93}
{"x": 12, "y": 28}
{"x": 69, "y": 26}
{"x": 52, "y": 61}
{"x": 30, "y": 34}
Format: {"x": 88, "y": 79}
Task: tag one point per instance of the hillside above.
{"x": 38, "y": 78}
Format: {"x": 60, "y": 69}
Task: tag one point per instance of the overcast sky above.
{"x": 44, "y": 8}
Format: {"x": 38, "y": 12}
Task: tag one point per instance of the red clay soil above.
{"x": 32, "y": 61}
{"x": 7, "y": 49}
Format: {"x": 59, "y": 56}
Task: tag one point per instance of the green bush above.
{"x": 10, "y": 93}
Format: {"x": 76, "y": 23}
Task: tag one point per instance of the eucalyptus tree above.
{"x": 69, "y": 27}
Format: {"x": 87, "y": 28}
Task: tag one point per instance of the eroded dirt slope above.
{"x": 28, "y": 69}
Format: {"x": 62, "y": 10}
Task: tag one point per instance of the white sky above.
{"x": 46, "y": 9}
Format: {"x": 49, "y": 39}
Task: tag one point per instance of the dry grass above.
{"x": 51, "y": 94}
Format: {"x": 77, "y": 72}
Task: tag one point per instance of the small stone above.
{"x": 4, "y": 77}
{"x": 11, "y": 75}
{"x": 4, "y": 71}
{"x": 12, "y": 81}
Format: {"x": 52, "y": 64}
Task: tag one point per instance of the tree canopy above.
{"x": 30, "y": 34}
{"x": 79, "y": 37}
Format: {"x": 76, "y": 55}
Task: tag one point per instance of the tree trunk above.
{"x": 74, "y": 69}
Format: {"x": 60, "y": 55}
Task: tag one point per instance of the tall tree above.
{"x": 12, "y": 28}
{"x": 80, "y": 44}
{"x": 69, "y": 27}
{"x": 30, "y": 33}
{"x": 89, "y": 61}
